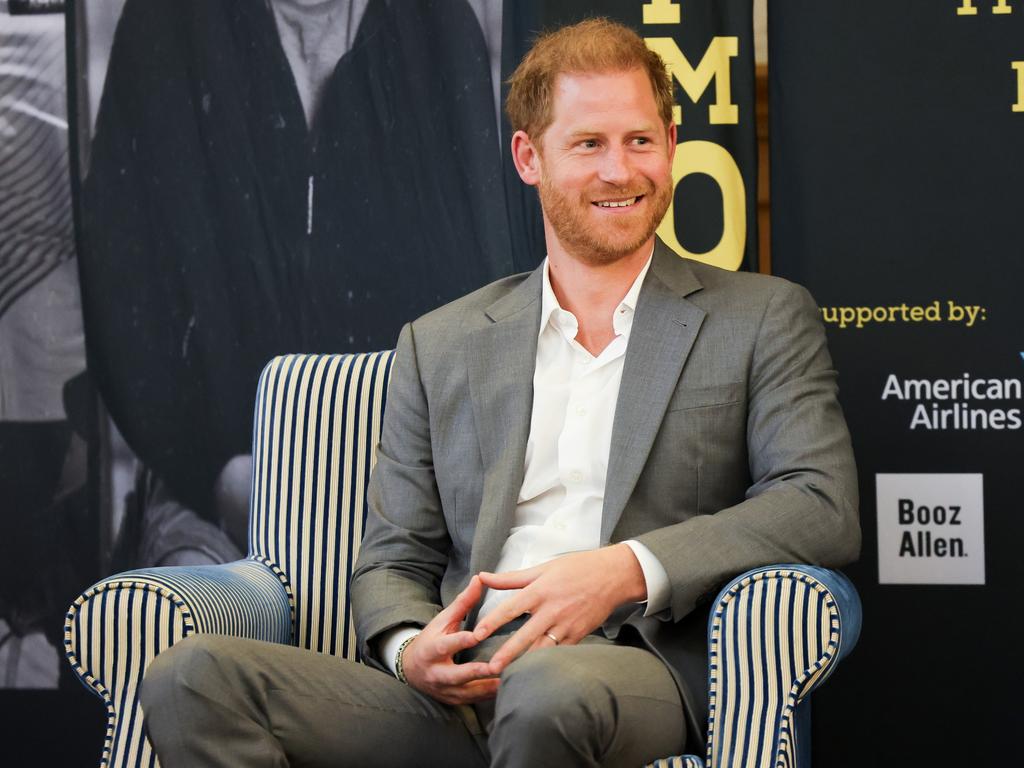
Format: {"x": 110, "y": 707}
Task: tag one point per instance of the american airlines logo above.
{"x": 965, "y": 402}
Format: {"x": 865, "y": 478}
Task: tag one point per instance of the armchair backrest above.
{"x": 316, "y": 414}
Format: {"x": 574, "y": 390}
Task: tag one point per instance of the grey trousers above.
{"x": 218, "y": 701}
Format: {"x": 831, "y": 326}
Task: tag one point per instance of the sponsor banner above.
{"x": 931, "y": 529}
{"x": 897, "y": 143}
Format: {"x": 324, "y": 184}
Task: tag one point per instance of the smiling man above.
{"x": 573, "y": 461}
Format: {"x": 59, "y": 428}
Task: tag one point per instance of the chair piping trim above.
{"x": 283, "y": 578}
{"x": 134, "y": 584}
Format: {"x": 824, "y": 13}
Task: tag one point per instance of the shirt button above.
{"x": 576, "y": 476}
{"x": 581, "y": 411}
{"x": 559, "y": 526}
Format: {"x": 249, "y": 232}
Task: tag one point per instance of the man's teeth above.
{"x": 616, "y": 204}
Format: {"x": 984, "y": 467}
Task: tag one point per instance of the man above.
{"x": 572, "y": 462}
{"x": 274, "y": 201}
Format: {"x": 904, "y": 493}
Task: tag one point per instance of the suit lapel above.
{"x": 502, "y": 357}
{"x": 663, "y": 333}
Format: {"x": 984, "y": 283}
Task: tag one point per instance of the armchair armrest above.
{"x": 681, "y": 761}
{"x": 775, "y": 634}
{"x": 116, "y": 627}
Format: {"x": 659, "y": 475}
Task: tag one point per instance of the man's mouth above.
{"x": 626, "y": 203}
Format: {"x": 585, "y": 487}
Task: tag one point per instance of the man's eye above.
{"x": 588, "y": 143}
{"x": 641, "y": 140}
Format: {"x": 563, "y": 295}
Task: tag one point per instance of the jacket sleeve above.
{"x": 405, "y": 544}
{"x": 801, "y": 505}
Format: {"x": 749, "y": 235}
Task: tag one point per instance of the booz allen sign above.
{"x": 931, "y": 528}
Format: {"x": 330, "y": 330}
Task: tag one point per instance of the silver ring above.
{"x": 553, "y": 638}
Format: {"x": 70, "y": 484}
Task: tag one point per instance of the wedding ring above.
{"x": 553, "y": 638}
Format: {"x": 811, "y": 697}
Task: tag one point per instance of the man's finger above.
{"x": 448, "y": 645}
{"x": 479, "y": 690}
{"x": 512, "y": 608}
{"x": 461, "y": 674}
{"x": 510, "y": 579}
{"x": 463, "y": 603}
{"x": 544, "y": 641}
{"x": 519, "y": 642}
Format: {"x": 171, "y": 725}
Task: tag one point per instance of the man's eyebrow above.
{"x": 582, "y": 132}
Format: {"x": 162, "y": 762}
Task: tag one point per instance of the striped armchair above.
{"x": 775, "y": 634}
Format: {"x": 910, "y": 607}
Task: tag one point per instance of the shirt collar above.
{"x": 622, "y": 318}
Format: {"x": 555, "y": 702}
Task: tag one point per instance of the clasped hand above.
{"x": 566, "y": 598}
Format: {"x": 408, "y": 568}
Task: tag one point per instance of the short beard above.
{"x": 595, "y": 247}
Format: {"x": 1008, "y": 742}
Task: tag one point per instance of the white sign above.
{"x": 931, "y": 529}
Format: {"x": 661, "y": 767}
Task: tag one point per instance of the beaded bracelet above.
{"x": 399, "y": 668}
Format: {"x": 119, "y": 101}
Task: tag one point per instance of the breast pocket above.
{"x": 717, "y": 396}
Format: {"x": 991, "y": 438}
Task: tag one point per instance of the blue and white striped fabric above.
{"x": 685, "y": 761}
{"x": 775, "y": 633}
{"x": 318, "y": 422}
{"x": 116, "y": 628}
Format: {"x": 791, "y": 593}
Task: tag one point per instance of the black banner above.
{"x": 897, "y": 145}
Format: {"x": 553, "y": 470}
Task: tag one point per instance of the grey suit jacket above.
{"x": 729, "y": 450}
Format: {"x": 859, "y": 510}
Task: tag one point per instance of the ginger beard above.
{"x": 585, "y": 235}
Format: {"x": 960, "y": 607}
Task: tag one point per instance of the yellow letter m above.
{"x": 715, "y": 65}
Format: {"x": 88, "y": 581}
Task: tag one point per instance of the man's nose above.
{"x": 615, "y": 168}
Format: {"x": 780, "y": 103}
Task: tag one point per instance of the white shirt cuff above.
{"x": 659, "y": 591}
{"x": 391, "y": 641}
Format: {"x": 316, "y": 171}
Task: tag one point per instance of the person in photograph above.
{"x": 266, "y": 178}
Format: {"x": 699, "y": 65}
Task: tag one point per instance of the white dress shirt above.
{"x": 574, "y": 397}
{"x": 560, "y": 501}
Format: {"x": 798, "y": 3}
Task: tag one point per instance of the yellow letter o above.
{"x": 714, "y": 160}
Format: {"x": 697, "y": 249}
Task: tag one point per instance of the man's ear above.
{"x": 671, "y": 142}
{"x": 526, "y": 157}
